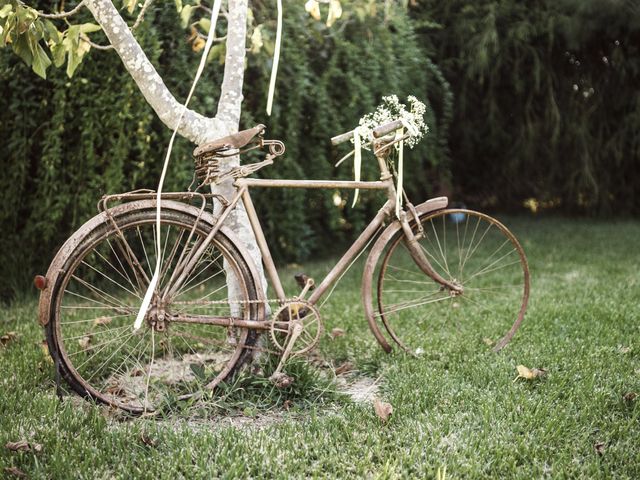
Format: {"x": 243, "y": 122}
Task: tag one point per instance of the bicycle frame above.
{"x": 242, "y": 195}
{"x": 361, "y": 242}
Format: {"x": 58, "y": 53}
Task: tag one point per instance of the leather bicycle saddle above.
{"x": 235, "y": 141}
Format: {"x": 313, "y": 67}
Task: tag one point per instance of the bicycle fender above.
{"x": 392, "y": 229}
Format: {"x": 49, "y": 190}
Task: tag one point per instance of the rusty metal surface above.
{"x": 208, "y": 158}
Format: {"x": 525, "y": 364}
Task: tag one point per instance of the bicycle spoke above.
{"x": 103, "y": 318}
{"x": 110, "y": 279}
{"x": 134, "y": 293}
{"x": 124, "y": 270}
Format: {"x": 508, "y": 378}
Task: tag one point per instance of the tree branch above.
{"x": 58, "y": 15}
{"x": 140, "y": 18}
{"x": 197, "y": 128}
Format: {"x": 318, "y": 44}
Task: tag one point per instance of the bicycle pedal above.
{"x": 301, "y": 280}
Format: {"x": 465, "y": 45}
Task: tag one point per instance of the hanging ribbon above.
{"x": 146, "y": 301}
{"x": 412, "y": 130}
{"x": 276, "y": 60}
{"x": 400, "y": 147}
{"x": 357, "y": 161}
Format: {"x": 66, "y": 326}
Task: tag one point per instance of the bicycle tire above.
{"x": 96, "y": 293}
{"x": 468, "y": 248}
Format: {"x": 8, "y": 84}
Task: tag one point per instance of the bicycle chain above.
{"x": 240, "y": 302}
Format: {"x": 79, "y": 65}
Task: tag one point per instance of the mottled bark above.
{"x": 194, "y": 126}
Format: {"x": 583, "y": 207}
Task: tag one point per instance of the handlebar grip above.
{"x": 342, "y": 138}
{"x": 382, "y": 130}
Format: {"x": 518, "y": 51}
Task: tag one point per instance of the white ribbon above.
{"x": 412, "y": 130}
{"x": 400, "y": 146}
{"x": 357, "y": 161}
{"x": 146, "y": 301}
{"x": 276, "y": 60}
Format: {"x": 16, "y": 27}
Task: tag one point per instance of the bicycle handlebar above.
{"x": 378, "y": 132}
{"x": 386, "y": 128}
{"x": 338, "y": 139}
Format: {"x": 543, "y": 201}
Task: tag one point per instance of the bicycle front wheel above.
{"x": 469, "y": 249}
{"x": 99, "y": 290}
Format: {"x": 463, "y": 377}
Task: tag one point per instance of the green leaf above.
{"x": 205, "y": 24}
{"x": 198, "y": 371}
{"x": 72, "y": 36}
{"x": 131, "y": 5}
{"x": 51, "y": 32}
{"x": 58, "y": 51}
{"x": 22, "y": 49}
{"x": 185, "y": 15}
{"x": 73, "y": 60}
{"x": 217, "y": 52}
{"x": 179, "y": 5}
{"x": 41, "y": 61}
{"x": 89, "y": 28}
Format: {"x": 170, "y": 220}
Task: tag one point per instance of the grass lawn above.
{"x": 455, "y": 406}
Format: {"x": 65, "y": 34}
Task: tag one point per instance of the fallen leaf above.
{"x": 529, "y": 373}
{"x": 281, "y": 380}
{"x": 344, "y": 368}
{"x": 23, "y": 446}
{"x": 455, "y": 305}
{"x": 102, "y": 321}
{"x": 8, "y": 337}
{"x": 15, "y": 471}
{"x": 85, "y": 341}
{"x": 488, "y": 341}
{"x": 147, "y": 440}
{"x": 622, "y": 349}
{"x": 600, "y": 447}
{"x": 19, "y": 446}
{"x": 45, "y": 350}
{"x": 116, "y": 391}
{"x": 630, "y": 396}
{"x": 287, "y": 405}
{"x": 383, "y": 410}
{"x": 336, "y": 332}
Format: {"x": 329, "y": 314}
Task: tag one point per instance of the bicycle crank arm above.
{"x": 296, "y": 330}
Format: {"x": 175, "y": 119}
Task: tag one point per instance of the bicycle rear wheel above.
{"x": 98, "y": 292}
{"x": 470, "y": 249}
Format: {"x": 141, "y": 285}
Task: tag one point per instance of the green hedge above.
{"x": 67, "y": 142}
{"x": 547, "y": 100}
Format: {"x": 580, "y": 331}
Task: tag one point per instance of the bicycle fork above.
{"x": 417, "y": 253}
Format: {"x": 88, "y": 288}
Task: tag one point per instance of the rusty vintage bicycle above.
{"x": 428, "y": 268}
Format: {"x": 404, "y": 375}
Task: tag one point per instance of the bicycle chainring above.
{"x": 296, "y": 311}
